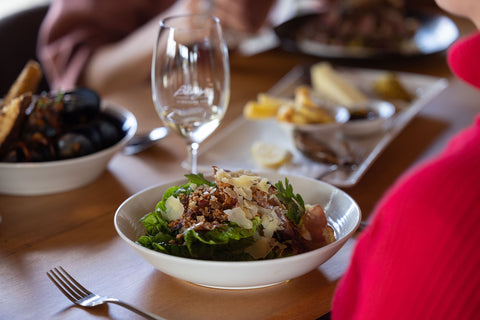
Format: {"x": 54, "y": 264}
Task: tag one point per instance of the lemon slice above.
{"x": 270, "y": 156}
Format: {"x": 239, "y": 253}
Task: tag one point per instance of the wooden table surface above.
{"x": 75, "y": 229}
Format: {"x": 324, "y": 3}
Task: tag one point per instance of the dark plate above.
{"x": 435, "y": 34}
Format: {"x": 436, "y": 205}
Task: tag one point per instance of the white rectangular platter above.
{"x": 230, "y": 148}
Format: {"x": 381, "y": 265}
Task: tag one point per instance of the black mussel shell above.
{"x": 37, "y": 149}
{"x": 72, "y": 145}
{"x": 42, "y": 153}
{"x": 92, "y": 134}
{"x": 15, "y": 154}
{"x": 110, "y": 128}
{"x": 102, "y": 132}
{"x": 109, "y": 132}
{"x": 80, "y": 105}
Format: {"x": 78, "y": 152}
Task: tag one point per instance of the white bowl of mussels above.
{"x": 60, "y": 141}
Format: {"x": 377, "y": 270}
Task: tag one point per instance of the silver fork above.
{"x": 83, "y": 297}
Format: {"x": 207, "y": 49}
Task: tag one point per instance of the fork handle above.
{"x": 146, "y": 315}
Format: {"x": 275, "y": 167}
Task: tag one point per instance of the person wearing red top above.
{"x": 420, "y": 257}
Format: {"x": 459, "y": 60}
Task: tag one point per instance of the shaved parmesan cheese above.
{"x": 174, "y": 209}
{"x": 264, "y": 185}
{"x": 238, "y": 216}
{"x": 270, "y": 222}
{"x": 243, "y": 181}
{"x": 260, "y": 248}
{"x": 251, "y": 208}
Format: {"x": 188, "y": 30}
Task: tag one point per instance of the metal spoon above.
{"x": 141, "y": 142}
{"x": 320, "y": 151}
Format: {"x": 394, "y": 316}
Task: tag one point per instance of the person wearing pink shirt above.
{"x": 420, "y": 257}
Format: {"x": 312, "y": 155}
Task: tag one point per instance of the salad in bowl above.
{"x": 239, "y": 216}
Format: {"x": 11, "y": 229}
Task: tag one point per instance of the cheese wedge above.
{"x": 332, "y": 86}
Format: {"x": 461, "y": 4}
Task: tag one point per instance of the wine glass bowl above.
{"x": 191, "y": 77}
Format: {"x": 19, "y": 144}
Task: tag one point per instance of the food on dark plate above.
{"x": 240, "y": 216}
{"x": 378, "y": 24}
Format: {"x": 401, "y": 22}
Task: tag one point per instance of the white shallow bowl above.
{"x": 342, "y": 212}
{"x": 383, "y": 111}
{"x": 39, "y": 178}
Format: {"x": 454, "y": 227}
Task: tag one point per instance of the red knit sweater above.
{"x": 420, "y": 258}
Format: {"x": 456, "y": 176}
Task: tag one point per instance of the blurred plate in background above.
{"x": 435, "y": 33}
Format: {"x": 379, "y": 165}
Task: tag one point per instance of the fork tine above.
{"x": 75, "y": 282}
{"x": 68, "y": 285}
{"x": 59, "y": 285}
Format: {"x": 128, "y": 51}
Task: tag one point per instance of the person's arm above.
{"x": 127, "y": 62}
{"x": 73, "y": 32}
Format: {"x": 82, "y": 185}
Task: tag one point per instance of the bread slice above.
{"x": 11, "y": 119}
{"x": 27, "y": 81}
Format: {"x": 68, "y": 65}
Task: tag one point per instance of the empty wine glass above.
{"x": 191, "y": 77}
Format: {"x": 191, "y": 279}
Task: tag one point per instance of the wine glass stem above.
{"x": 192, "y": 155}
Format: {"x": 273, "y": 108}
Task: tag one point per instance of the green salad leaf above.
{"x": 154, "y": 223}
{"x": 199, "y": 179}
{"x": 224, "y": 243}
{"x": 293, "y": 202}
{"x": 195, "y": 179}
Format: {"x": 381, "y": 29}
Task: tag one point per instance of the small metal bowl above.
{"x": 369, "y": 118}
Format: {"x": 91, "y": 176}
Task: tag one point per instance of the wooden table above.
{"x": 75, "y": 229}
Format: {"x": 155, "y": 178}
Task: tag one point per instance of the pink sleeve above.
{"x": 72, "y": 30}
